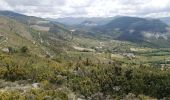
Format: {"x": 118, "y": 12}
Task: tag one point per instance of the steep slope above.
{"x": 41, "y": 36}
{"x": 20, "y": 17}
{"x": 15, "y": 35}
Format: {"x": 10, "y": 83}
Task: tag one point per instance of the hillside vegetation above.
{"x": 46, "y": 60}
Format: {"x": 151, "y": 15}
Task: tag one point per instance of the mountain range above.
{"x": 138, "y": 30}
{"x": 154, "y": 32}
{"x": 132, "y": 28}
{"x": 73, "y": 21}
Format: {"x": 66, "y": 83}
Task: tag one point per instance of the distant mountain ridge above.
{"x": 137, "y": 24}
{"x": 165, "y": 20}
{"x": 134, "y": 29}
{"x": 89, "y": 23}
{"x": 72, "y": 21}
{"x": 20, "y": 17}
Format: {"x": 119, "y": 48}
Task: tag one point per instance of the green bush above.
{"x": 24, "y": 49}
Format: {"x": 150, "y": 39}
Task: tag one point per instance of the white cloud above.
{"x": 88, "y": 8}
{"x": 4, "y": 5}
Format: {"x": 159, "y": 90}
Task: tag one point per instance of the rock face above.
{"x": 129, "y": 55}
{"x": 36, "y": 85}
{"x": 97, "y": 96}
{"x": 1, "y": 35}
{"x": 6, "y": 86}
{"x": 5, "y": 50}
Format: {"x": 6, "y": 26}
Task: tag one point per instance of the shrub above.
{"x": 24, "y": 49}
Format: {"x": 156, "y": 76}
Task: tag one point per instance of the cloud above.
{"x": 88, "y": 8}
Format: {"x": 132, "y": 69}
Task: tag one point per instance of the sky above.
{"x": 88, "y": 8}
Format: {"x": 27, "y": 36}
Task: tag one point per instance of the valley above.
{"x": 43, "y": 59}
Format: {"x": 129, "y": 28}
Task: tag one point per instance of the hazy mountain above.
{"x": 136, "y": 24}
{"x": 166, "y": 20}
{"x": 88, "y": 23}
{"x": 79, "y": 20}
{"x": 134, "y": 29}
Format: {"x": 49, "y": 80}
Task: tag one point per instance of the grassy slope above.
{"x": 17, "y": 35}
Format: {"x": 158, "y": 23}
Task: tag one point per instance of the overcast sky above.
{"x": 88, "y": 8}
